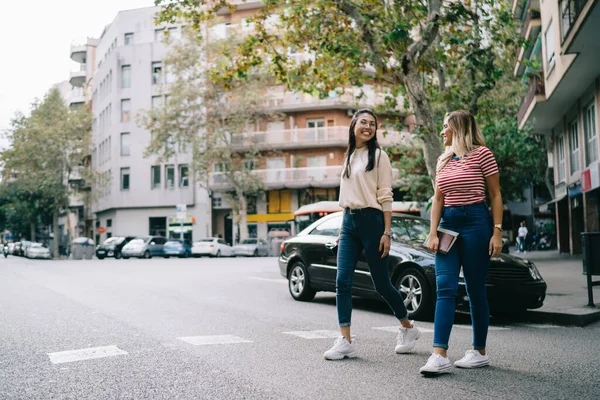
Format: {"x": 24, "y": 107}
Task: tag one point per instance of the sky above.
{"x": 35, "y": 41}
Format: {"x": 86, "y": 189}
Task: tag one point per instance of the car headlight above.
{"x": 534, "y": 272}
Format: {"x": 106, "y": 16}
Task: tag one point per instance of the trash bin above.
{"x": 590, "y": 246}
{"x": 82, "y": 248}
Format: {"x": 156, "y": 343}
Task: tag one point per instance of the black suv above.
{"x": 112, "y": 247}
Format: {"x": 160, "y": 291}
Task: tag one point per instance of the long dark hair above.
{"x": 372, "y": 144}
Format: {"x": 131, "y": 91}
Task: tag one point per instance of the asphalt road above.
{"x": 228, "y": 329}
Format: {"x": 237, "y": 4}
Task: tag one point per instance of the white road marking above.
{"x": 322, "y": 334}
{"x": 491, "y": 328}
{"x": 395, "y": 328}
{"x": 85, "y": 354}
{"x": 217, "y": 339}
{"x": 257, "y": 278}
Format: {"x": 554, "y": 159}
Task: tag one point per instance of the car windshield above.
{"x": 36, "y": 245}
{"x": 172, "y": 242}
{"x": 137, "y": 241}
{"x": 249, "y": 241}
{"x": 113, "y": 240}
{"x": 410, "y": 229}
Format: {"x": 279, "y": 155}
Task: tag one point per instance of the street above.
{"x": 228, "y": 329}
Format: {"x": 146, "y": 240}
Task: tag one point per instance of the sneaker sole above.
{"x": 444, "y": 370}
{"x": 471, "y": 366}
{"x": 330, "y": 358}
{"x": 409, "y": 349}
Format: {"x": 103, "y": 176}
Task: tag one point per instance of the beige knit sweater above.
{"x": 367, "y": 189}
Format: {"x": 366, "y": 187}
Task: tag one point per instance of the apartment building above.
{"x": 137, "y": 195}
{"x": 562, "y": 103}
{"x": 310, "y": 141}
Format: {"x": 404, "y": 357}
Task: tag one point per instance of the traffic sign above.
{"x": 181, "y": 213}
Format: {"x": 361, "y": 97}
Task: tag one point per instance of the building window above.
{"x": 108, "y": 235}
{"x": 550, "y": 43}
{"x": 219, "y": 167}
{"x": 560, "y": 149}
{"x": 125, "y": 144}
{"x": 109, "y": 223}
{"x": 126, "y": 76}
{"x": 217, "y": 202}
{"x": 159, "y": 34}
{"x": 591, "y": 133}
{"x": 125, "y": 110}
{"x": 129, "y": 39}
{"x": 184, "y": 180}
{"x": 124, "y": 178}
{"x": 249, "y": 165}
{"x": 157, "y": 73}
{"x": 174, "y": 33}
{"x": 574, "y": 146}
{"x": 158, "y": 226}
{"x": 157, "y": 101}
{"x": 170, "y": 176}
{"x": 155, "y": 172}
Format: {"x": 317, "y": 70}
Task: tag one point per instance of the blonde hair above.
{"x": 465, "y": 136}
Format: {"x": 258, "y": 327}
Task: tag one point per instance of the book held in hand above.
{"x": 446, "y": 238}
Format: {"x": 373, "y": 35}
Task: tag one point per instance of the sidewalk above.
{"x": 567, "y": 296}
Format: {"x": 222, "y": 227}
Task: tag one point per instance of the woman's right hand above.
{"x": 433, "y": 242}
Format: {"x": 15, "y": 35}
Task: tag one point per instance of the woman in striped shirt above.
{"x": 463, "y": 172}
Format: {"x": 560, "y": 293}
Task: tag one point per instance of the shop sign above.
{"x": 575, "y": 190}
{"x": 590, "y": 178}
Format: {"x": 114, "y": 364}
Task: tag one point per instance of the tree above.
{"x": 400, "y": 40}
{"x": 210, "y": 122}
{"x": 45, "y": 148}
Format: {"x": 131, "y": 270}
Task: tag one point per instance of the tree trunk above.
{"x": 56, "y": 234}
{"x": 432, "y": 147}
{"x": 243, "y": 215}
{"x": 32, "y": 230}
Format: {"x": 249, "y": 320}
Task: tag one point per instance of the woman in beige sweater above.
{"x": 366, "y": 197}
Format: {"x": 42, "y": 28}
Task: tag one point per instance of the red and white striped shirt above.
{"x": 462, "y": 182}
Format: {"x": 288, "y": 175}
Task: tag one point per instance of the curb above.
{"x": 580, "y": 317}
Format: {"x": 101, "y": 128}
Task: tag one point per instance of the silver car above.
{"x": 251, "y": 248}
{"x": 37, "y": 250}
{"x": 144, "y": 247}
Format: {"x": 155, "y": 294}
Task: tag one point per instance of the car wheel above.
{"x": 125, "y": 258}
{"x": 256, "y": 253}
{"x": 100, "y": 257}
{"x": 417, "y": 295}
{"x": 117, "y": 255}
{"x": 167, "y": 256}
{"x": 299, "y": 283}
{"x": 147, "y": 254}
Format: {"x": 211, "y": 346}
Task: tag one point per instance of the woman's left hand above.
{"x": 384, "y": 245}
{"x": 495, "y": 244}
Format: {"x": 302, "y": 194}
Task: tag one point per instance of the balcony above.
{"x": 79, "y": 51}
{"x": 293, "y": 102}
{"x": 289, "y": 178}
{"x": 76, "y": 180}
{"x": 76, "y": 96}
{"x": 530, "y": 32}
{"x": 535, "y": 94}
{"x": 79, "y": 76}
{"x": 286, "y": 139}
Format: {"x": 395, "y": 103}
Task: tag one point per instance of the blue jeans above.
{"x": 362, "y": 229}
{"x": 471, "y": 250}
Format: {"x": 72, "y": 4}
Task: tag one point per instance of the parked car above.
{"x": 23, "y": 248}
{"x": 251, "y": 248}
{"x": 212, "y": 247}
{"x": 177, "y": 247}
{"x": 37, "y": 250}
{"x": 112, "y": 247}
{"x": 16, "y": 249}
{"x": 309, "y": 262}
{"x": 144, "y": 247}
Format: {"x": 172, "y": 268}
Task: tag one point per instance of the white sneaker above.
{"x": 472, "y": 359}
{"x": 340, "y": 350}
{"x": 436, "y": 365}
{"x": 407, "y": 339}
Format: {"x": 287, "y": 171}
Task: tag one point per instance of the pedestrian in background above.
{"x": 366, "y": 197}
{"x": 463, "y": 172}
{"x": 522, "y": 238}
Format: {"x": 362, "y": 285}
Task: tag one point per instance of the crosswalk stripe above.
{"x": 215, "y": 339}
{"x": 395, "y": 328}
{"x": 85, "y": 354}
{"x": 319, "y": 334}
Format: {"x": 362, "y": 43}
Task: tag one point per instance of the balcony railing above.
{"x": 536, "y": 87}
{"x": 306, "y": 138}
{"x": 530, "y": 16}
{"x": 290, "y": 178}
{"x": 570, "y": 10}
